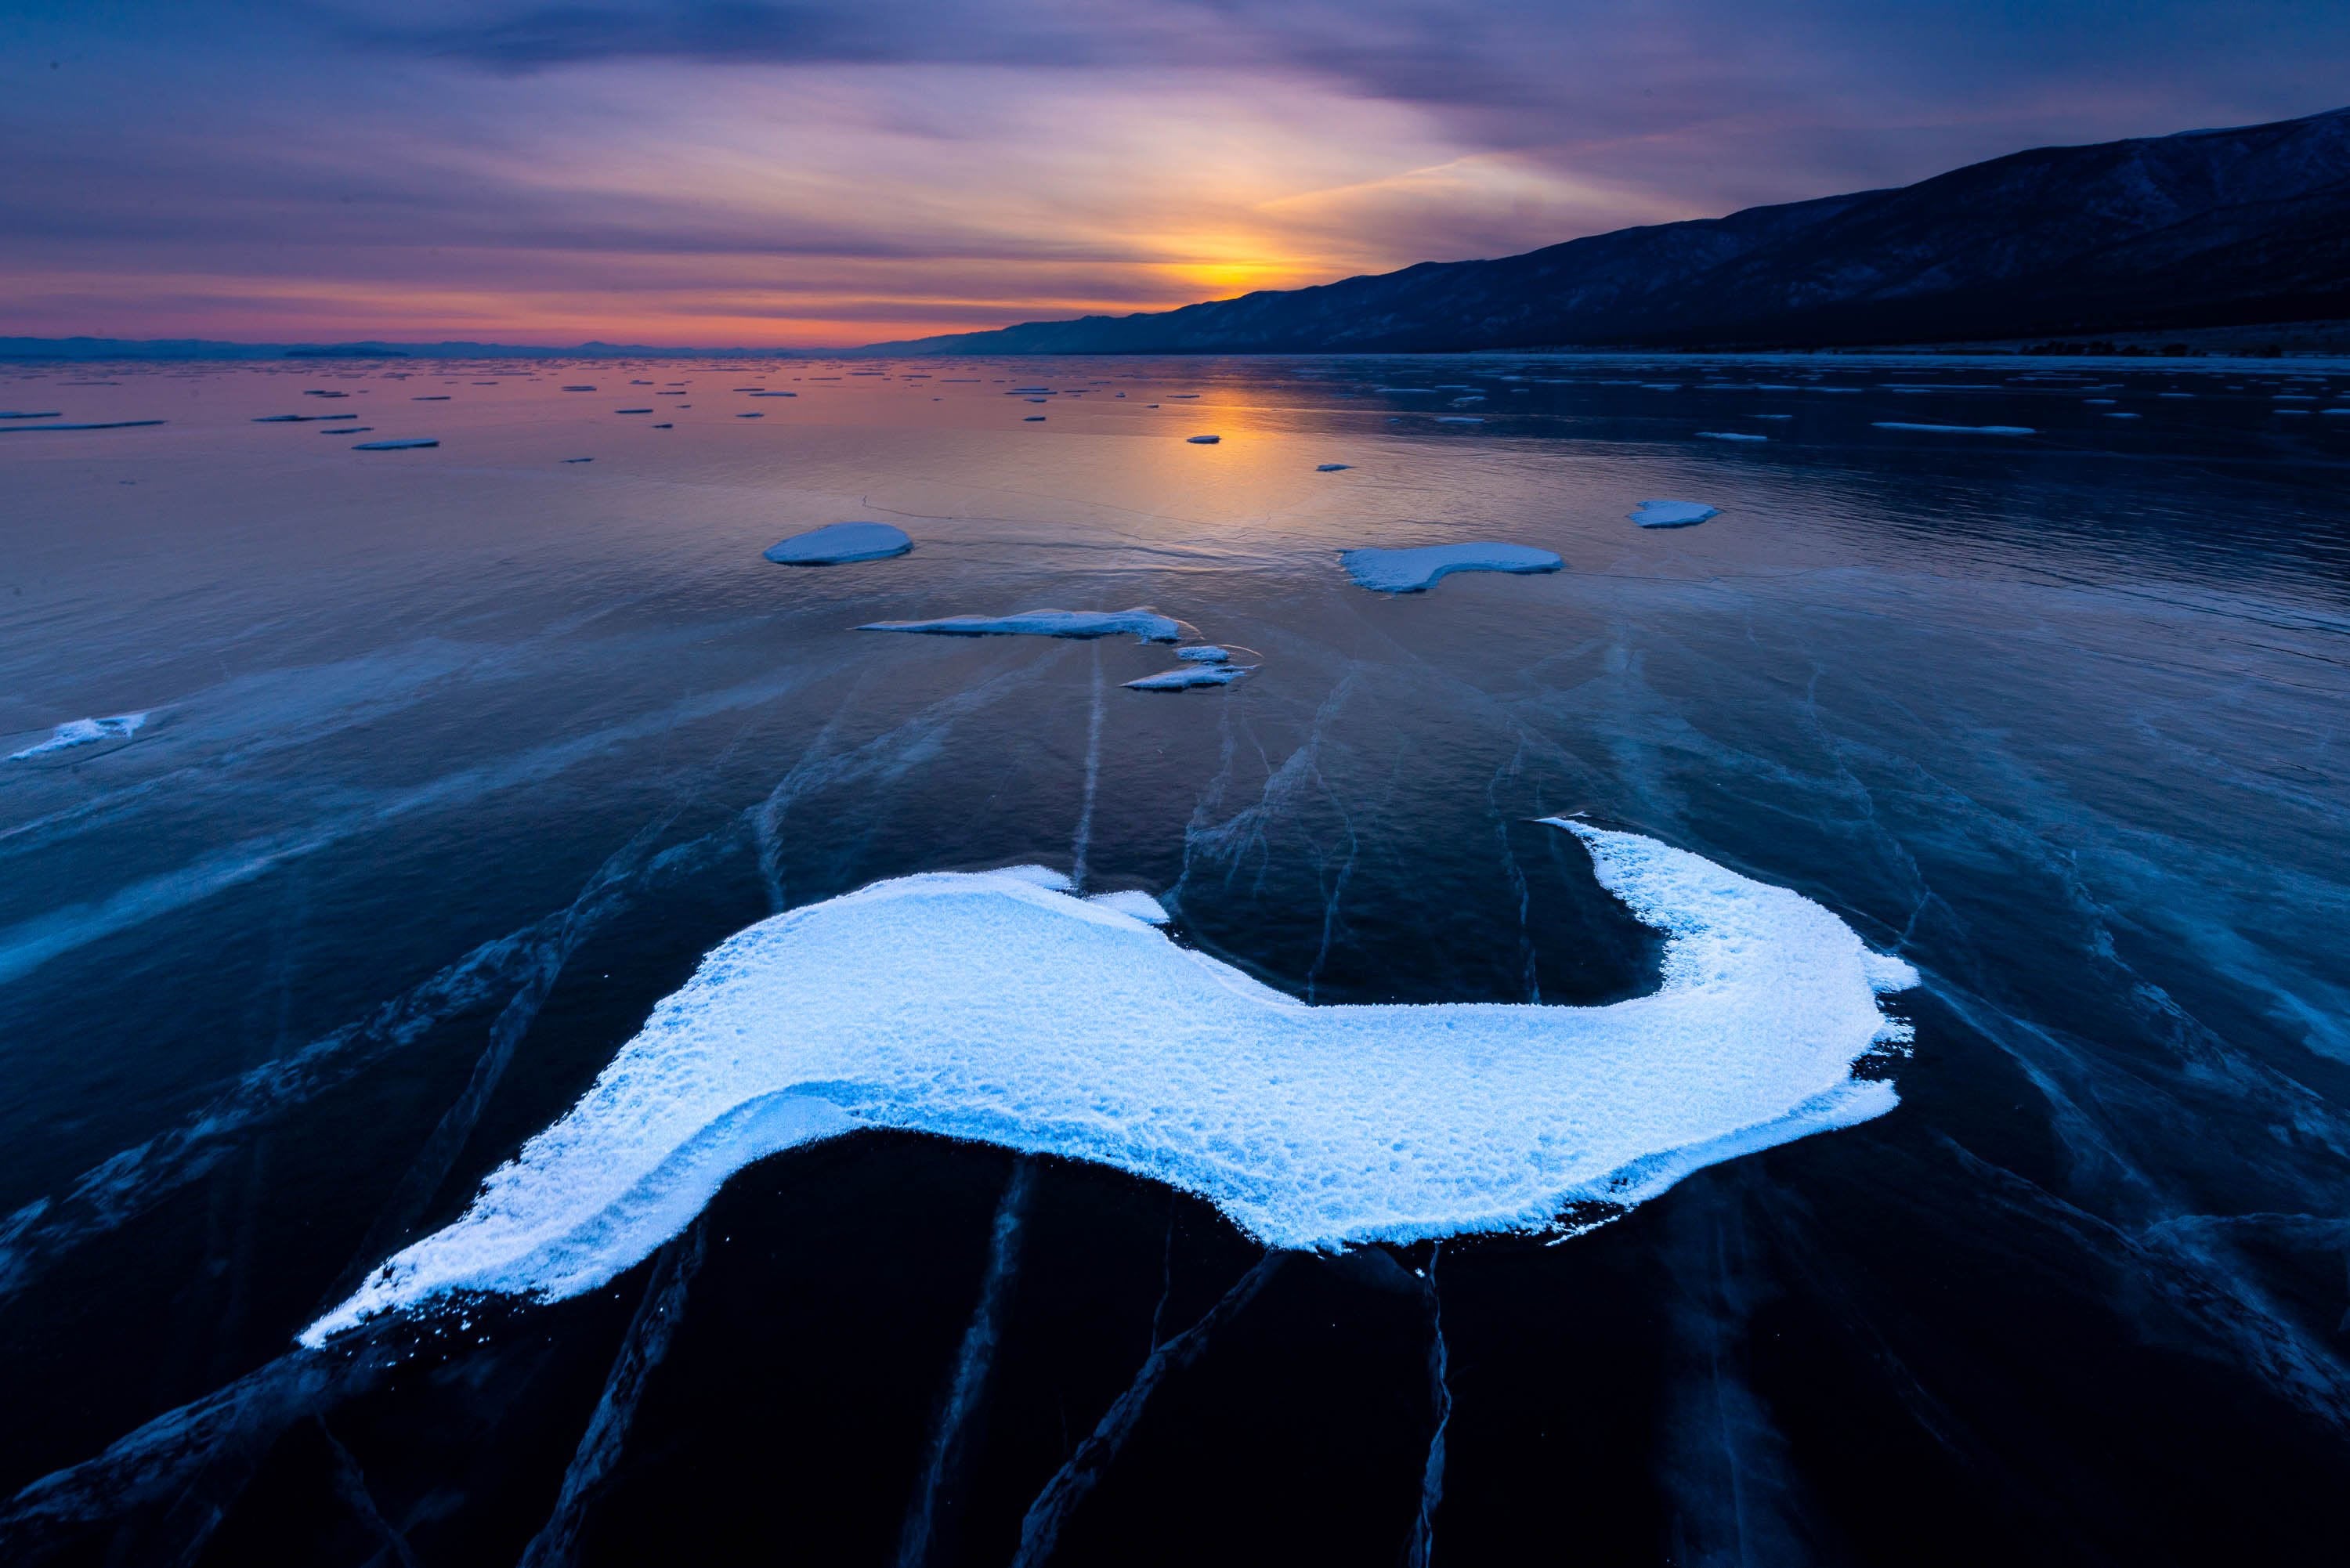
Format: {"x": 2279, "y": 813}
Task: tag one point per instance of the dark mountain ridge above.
{"x": 2206, "y": 228}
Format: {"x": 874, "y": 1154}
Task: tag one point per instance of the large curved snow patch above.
{"x": 996, "y": 1007}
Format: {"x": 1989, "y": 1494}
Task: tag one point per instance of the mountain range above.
{"x": 2206, "y": 228}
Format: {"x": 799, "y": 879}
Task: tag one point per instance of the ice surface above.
{"x": 402, "y": 444}
{"x": 1955, "y": 429}
{"x": 990, "y": 1007}
{"x": 1147, "y": 625}
{"x": 1672, "y": 513}
{"x": 1412, "y": 571}
{"x": 1730, "y": 435}
{"x": 1190, "y": 676}
{"x": 838, "y": 543}
{"x": 1203, "y": 440}
{"x": 83, "y": 732}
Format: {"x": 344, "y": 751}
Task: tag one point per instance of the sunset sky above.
{"x": 819, "y": 172}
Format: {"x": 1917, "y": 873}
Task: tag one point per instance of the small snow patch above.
{"x": 839, "y": 542}
{"x": 1147, "y": 624}
{"x": 83, "y": 732}
{"x": 1955, "y": 429}
{"x": 1672, "y": 513}
{"x": 1412, "y": 571}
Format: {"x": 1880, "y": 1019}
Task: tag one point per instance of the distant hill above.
{"x": 2207, "y": 228}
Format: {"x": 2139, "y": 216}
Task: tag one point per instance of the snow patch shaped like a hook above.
{"x": 998, "y": 1007}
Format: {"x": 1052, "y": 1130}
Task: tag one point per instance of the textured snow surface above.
{"x": 1147, "y": 625}
{"x": 996, "y": 1007}
{"x": 1672, "y": 513}
{"x": 837, "y": 543}
{"x": 83, "y": 732}
{"x": 1411, "y": 571}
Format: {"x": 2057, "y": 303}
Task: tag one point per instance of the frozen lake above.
{"x": 360, "y": 805}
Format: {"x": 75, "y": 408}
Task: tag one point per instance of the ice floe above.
{"x": 1147, "y": 624}
{"x": 24, "y": 414}
{"x": 1206, "y": 653}
{"x": 1190, "y": 676}
{"x": 1955, "y": 429}
{"x": 403, "y": 444}
{"x": 993, "y": 1007}
{"x": 1411, "y": 571}
{"x": 1672, "y": 513}
{"x": 84, "y": 732}
{"x": 1332, "y": 467}
{"x": 1203, "y": 440}
{"x": 1730, "y": 435}
{"x": 836, "y": 543}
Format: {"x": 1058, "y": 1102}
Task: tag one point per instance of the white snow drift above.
{"x": 993, "y": 1007}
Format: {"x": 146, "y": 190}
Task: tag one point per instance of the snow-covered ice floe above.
{"x": 1203, "y": 440}
{"x": 1147, "y": 625}
{"x": 1206, "y": 653}
{"x": 995, "y": 1007}
{"x": 836, "y": 543}
{"x": 1730, "y": 435}
{"x": 1191, "y": 676}
{"x": 83, "y": 732}
{"x": 1671, "y": 514}
{"x": 405, "y": 444}
{"x": 1955, "y": 429}
{"x": 1412, "y": 571}
{"x": 1332, "y": 467}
